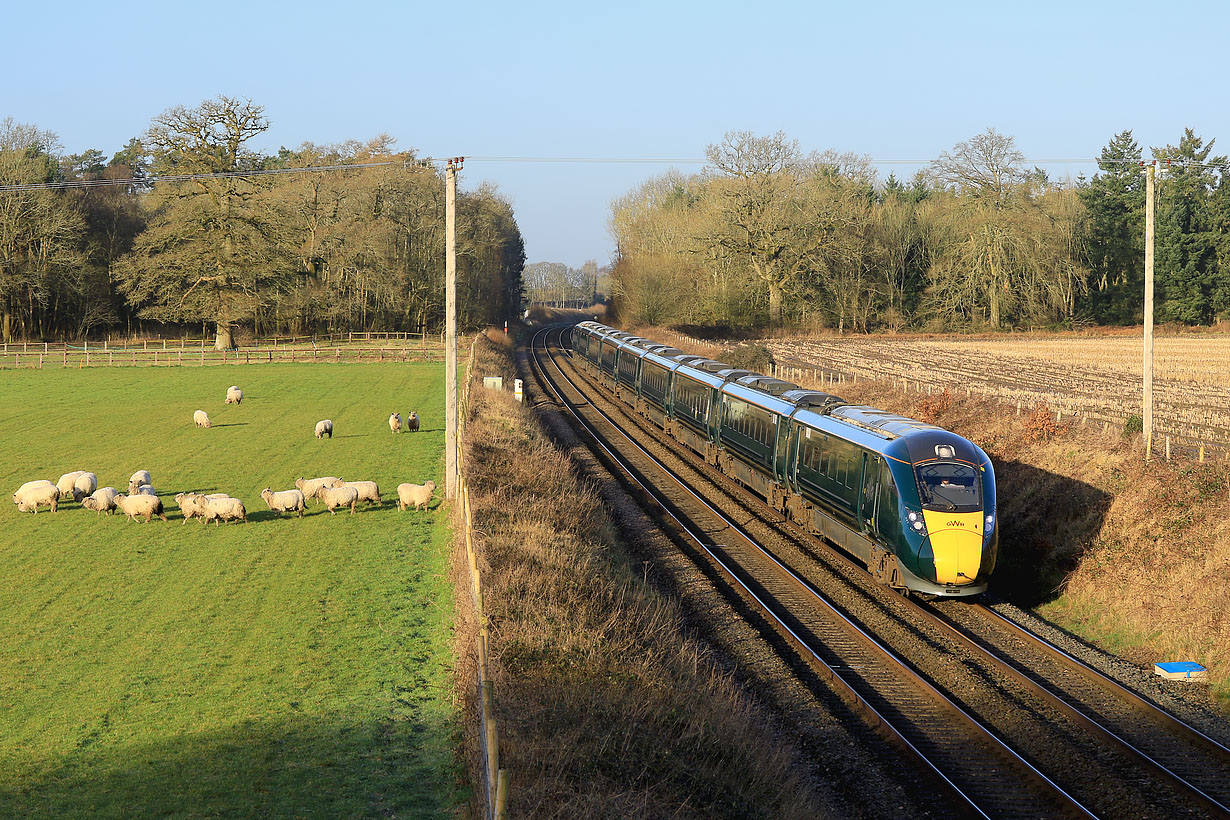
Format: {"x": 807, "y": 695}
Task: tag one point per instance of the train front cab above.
{"x": 947, "y": 536}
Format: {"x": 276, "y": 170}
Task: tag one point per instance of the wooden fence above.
{"x": 116, "y": 343}
{"x": 62, "y": 358}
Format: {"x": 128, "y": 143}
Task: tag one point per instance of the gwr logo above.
{"x": 956, "y": 523}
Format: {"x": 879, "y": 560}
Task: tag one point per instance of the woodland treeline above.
{"x": 345, "y": 249}
{"x": 768, "y": 236}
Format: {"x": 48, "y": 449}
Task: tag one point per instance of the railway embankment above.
{"x": 1131, "y": 556}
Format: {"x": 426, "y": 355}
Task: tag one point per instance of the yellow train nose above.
{"x": 956, "y": 544}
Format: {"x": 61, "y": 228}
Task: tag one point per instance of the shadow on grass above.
{"x": 1047, "y": 521}
{"x": 301, "y": 768}
{"x": 233, "y": 424}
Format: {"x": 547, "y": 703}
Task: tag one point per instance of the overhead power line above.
{"x": 429, "y": 161}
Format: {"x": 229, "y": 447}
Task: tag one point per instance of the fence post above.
{"x": 501, "y": 795}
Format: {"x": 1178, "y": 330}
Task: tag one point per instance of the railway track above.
{"x": 995, "y": 725}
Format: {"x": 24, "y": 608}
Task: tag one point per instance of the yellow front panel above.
{"x": 956, "y": 543}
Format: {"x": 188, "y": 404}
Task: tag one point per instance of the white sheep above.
{"x": 140, "y": 504}
{"x": 66, "y": 482}
{"x": 193, "y": 504}
{"x": 139, "y": 478}
{"x": 412, "y": 422}
{"x": 145, "y": 489}
{"x": 324, "y": 427}
{"x": 309, "y": 486}
{"x": 395, "y": 422}
{"x": 284, "y": 501}
{"x": 233, "y": 395}
{"x": 368, "y": 491}
{"x": 84, "y": 485}
{"x": 201, "y": 418}
{"x": 34, "y": 493}
{"x": 334, "y": 497}
{"x": 417, "y": 494}
{"x": 101, "y": 500}
{"x": 222, "y": 509}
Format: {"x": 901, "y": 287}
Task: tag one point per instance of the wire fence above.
{"x": 495, "y": 779}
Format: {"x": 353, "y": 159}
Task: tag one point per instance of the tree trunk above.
{"x": 775, "y": 304}
{"x": 225, "y": 338}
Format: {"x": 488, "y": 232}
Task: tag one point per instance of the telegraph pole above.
{"x": 450, "y": 331}
{"x": 1147, "y": 415}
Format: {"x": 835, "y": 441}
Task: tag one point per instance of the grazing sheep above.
{"x": 145, "y": 489}
{"x": 309, "y": 486}
{"x": 193, "y": 504}
{"x": 225, "y": 508}
{"x": 140, "y": 504}
{"x": 66, "y": 482}
{"x": 417, "y": 494}
{"x": 412, "y": 421}
{"x": 139, "y": 478}
{"x": 324, "y": 427}
{"x": 83, "y": 485}
{"x": 101, "y": 500}
{"x": 284, "y": 501}
{"x": 201, "y": 418}
{"x": 395, "y": 422}
{"x": 34, "y": 493}
{"x": 368, "y": 491}
{"x": 334, "y": 497}
{"x": 233, "y": 395}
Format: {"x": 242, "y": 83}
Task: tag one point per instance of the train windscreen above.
{"x": 950, "y": 486}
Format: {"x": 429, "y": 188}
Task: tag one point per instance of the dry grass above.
{"x": 605, "y": 707}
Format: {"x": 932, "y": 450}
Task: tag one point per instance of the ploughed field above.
{"x": 284, "y": 667}
{"x": 1099, "y": 379}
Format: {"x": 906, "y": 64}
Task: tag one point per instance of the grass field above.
{"x": 279, "y": 668}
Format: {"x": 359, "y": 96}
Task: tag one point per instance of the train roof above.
{"x": 767, "y": 384}
{"x": 759, "y": 398}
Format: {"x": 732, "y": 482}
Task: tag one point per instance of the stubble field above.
{"x": 280, "y": 668}
{"x": 1093, "y": 379}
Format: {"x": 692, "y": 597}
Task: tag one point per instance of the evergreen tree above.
{"x": 1115, "y": 199}
{"x": 1187, "y": 271}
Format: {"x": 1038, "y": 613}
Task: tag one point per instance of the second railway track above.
{"x": 996, "y": 724}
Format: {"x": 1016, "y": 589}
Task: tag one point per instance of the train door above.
{"x": 781, "y": 451}
{"x": 870, "y": 495}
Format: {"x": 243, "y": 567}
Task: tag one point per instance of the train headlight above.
{"x": 916, "y": 523}
{"x": 990, "y": 524}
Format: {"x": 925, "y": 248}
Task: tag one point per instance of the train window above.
{"x": 950, "y": 486}
{"x": 889, "y": 518}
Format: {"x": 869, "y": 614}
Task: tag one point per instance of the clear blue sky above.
{"x": 892, "y": 80}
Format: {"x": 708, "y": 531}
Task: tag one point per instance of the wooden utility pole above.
{"x": 450, "y": 329}
{"x": 1147, "y": 415}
